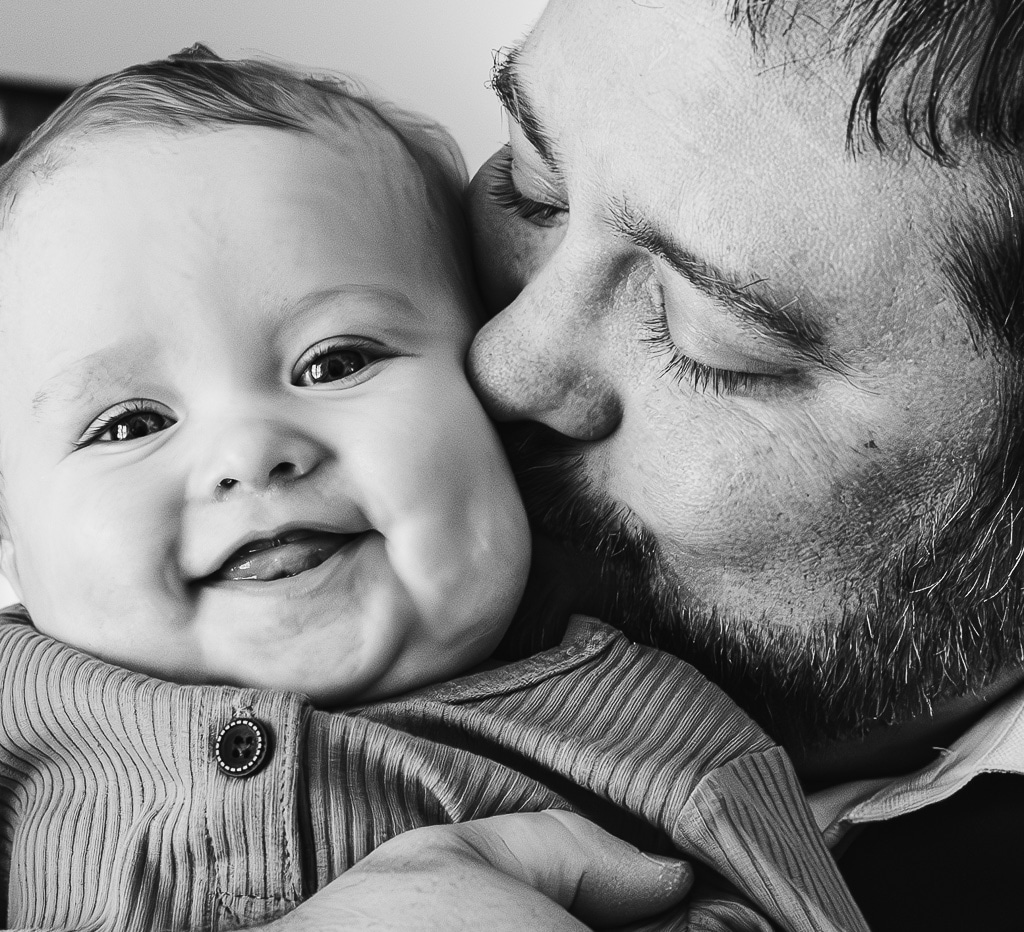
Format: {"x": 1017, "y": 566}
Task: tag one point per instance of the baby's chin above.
{"x": 332, "y": 658}
{"x": 393, "y": 652}
{"x": 353, "y": 630}
{"x": 335, "y": 660}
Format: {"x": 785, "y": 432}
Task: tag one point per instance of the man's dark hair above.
{"x": 959, "y": 64}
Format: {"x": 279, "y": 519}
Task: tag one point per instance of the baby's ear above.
{"x": 8, "y": 561}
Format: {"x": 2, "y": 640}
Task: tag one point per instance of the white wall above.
{"x": 431, "y": 55}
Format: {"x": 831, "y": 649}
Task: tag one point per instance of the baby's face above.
{"x": 237, "y": 443}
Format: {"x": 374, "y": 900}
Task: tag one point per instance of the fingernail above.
{"x": 662, "y": 859}
{"x": 676, "y": 872}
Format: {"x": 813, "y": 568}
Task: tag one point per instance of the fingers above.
{"x": 503, "y": 874}
{"x": 600, "y": 878}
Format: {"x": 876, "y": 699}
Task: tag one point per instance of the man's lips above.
{"x": 288, "y": 554}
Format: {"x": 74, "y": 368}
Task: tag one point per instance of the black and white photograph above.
{"x": 529, "y": 466}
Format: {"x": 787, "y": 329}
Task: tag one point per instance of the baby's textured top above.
{"x": 130, "y": 803}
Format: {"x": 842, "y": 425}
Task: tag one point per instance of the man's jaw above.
{"x": 887, "y": 661}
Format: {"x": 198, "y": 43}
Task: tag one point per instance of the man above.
{"x": 761, "y": 277}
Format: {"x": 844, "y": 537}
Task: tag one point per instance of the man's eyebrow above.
{"x": 507, "y": 83}
{"x": 749, "y": 299}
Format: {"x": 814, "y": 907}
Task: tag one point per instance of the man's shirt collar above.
{"x": 995, "y": 744}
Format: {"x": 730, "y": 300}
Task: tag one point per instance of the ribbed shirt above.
{"x": 115, "y": 815}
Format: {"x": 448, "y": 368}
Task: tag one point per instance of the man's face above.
{"x": 741, "y": 332}
{"x": 238, "y": 442}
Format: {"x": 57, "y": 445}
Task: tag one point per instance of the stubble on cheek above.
{"x": 741, "y": 503}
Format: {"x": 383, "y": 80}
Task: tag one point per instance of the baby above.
{"x": 239, "y": 451}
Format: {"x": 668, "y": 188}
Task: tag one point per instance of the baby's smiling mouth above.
{"x": 288, "y": 554}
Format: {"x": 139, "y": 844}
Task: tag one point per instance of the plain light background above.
{"x": 430, "y": 55}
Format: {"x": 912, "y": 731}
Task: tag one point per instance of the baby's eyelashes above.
{"x": 339, "y": 359}
{"x": 127, "y": 421}
{"x": 332, "y": 366}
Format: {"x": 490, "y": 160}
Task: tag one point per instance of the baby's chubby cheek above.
{"x": 464, "y": 557}
{"x": 458, "y": 539}
{"x": 437, "y": 486}
{"x": 96, "y": 563}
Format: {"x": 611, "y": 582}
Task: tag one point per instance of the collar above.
{"x": 995, "y": 744}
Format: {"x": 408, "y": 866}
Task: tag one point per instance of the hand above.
{"x": 504, "y": 874}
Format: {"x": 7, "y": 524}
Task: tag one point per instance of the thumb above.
{"x": 599, "y": 878}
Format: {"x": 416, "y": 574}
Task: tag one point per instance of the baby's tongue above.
{"x": 289, "y": 555}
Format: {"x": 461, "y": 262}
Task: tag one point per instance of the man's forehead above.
{"x": 647, "y": 114}
{"x": 622, "y": 66}
{"x": 602, "y": 44}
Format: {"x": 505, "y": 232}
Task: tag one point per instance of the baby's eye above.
{"x": 133, "y": 426}
{"x": 131, "y": 420}
{"x": 331, "y": 366}
{"x": 342, "y": 361}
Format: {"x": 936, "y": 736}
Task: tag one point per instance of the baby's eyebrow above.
{"x": 363, "y": 301}
{"x": 120, "y": 367}
{"x": 81, "y": 382}
{"x": 375, "y": 296}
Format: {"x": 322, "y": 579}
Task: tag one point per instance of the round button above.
{"x": 242, "y": 747}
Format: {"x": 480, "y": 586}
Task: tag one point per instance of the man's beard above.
{"x": 943, "y": 619}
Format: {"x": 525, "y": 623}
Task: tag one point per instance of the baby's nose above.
{"x": 254, "y": 456}
{"x": 255, "y": 479}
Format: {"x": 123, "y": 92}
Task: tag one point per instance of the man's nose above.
{"x": 541, "y": 359}
{"x": 253, "y": 455}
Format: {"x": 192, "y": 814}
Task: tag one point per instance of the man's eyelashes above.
{"x": 505, "y": 193}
